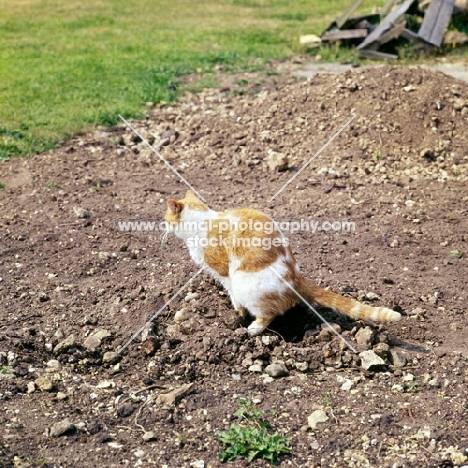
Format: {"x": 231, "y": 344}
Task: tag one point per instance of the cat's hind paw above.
{"x": 255, "y": 329}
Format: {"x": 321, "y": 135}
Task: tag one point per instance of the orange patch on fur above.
{"x": 193, "y": 202}
{"x": 274, "y": 304}
{"x": 216, "y": 255}
{"x": 254, "y": 244}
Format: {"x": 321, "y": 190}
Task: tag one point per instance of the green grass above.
{"x": 67, "y": 67}
{"x": 251, "y": 439}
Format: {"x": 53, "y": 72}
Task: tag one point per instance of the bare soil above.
{"x": 399, "y": 172}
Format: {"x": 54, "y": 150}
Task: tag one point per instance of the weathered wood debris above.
{"x": 421, "y": 22}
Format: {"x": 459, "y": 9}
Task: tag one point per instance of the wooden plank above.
{"x": 436, "y": 20}
{"x": 393, "y": 33}
{"x": 387, "y": 7}
{"x": 338, "y": 35}
{"x": 386, "y": 24}
{"x": 352, "y": 23}
{"x": 410, "y": 35}
{"x": 342, "y": 19}
{"x": 375, "y": 54}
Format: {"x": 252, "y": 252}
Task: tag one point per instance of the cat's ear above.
{"x": 174, "y": 206}
{"x": 190, "y": 194}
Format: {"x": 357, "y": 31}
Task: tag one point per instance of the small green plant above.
{"x": 39, "y": 462}
{"x": 457, "y": 253}
{"x": 377, "y": 156}
{"x": 2, "y": 185}
{"x": 327, "y": 400}
{"x": 248, "y": 411}
{"x": 6, "y": 369}
{"x": 414, "y": 387}
{"x": 50, "y": 186}
{"x": 242, "y": 82}
{"x": 250, "y": 439}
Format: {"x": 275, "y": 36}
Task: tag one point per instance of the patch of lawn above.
{"x": 70, "y": 66}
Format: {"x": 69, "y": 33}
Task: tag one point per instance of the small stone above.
{"x": 382, "y": 350}
{"x": 44, "y": 384}
{"x": 148, "y": 332}
{"x": 347, "y": 385}
{"x": 277, "y": 370}
{"x": 198, "y": 464}
{"x": 65, "y": 345}
{"x": 92, "y": 342}
{"x": 53, "y": 366}
{"x": 182, "y": 315}
{"x": 408, "y": 378}
{"x": 277, "y": 162}
{"x": 191, "y": 296}
{"x": 370, "y": 360}
{"x": 61, "y": 428}
{"x": 458, "y": 458}
{"x": 247, "y": 362}
{"x": 148, "y": 436}
{"x": 324, "y": 335}
{"x": 256, "y": 368}
{"x": 101, "y": 334}
{"x": 365, "y": 338}
{"x": 106, "y": 384}
{"x": 31, "y": 387}
{"x": 398, "y": 388}
{"x": 61, "y": 396}
{"x": 43, "y": 297}
{"x": 459, "y": 104}
{"x": 80, "y": 212}
{"x": 318, "y": 417}
{"x": 173, "y": 330}
{"x": 115, "y": 445}
{"x": 111, "y": 357}
{"x": 371, "y": 296}
{"x": 139, "y": 453}
{"x": 301, "y": 366}
{"x": 398, "y": 358}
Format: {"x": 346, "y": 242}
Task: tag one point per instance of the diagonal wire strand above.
{"x": 349, "y": 345}
{"x": 312, "y": 158}
{"x": 158, "y": 154}
{"x": 160, "y": 310}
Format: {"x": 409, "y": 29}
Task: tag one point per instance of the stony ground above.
{"x": 75, "y": 287}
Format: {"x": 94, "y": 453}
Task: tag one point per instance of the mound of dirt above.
{"x": 77, "y": 282}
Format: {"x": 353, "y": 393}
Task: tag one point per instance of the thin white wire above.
{"x": 161, "y": 309}
{"x": 312, "y": 158}
{"x": 158, "y": 154}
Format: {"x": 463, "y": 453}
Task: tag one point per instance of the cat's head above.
{"x": 188, "y": 208}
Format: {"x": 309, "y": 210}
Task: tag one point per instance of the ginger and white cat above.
{"x": 247, "y": 253}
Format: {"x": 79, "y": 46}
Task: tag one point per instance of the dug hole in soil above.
{"x": 75, "y": 287}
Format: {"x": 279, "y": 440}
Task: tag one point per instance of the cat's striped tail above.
{"x": 345, "y": 305}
